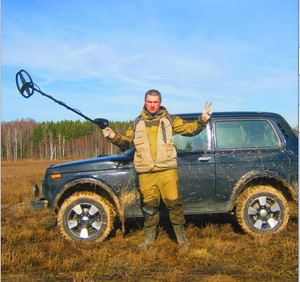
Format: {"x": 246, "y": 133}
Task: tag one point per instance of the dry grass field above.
{"x": 32, "y": 249}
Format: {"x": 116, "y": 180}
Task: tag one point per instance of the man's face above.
{"x": 152, "y": 104}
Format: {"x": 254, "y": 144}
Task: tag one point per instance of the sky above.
{"x": 100, "y": 57}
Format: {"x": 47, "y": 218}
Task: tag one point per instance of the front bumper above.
{"x": 40, "y": 204}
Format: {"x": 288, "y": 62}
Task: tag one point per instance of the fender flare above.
{"x": 252, "y": 175}
{"x": 96, "y": 183}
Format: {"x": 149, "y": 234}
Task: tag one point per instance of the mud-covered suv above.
{"x": 246, "y": 163}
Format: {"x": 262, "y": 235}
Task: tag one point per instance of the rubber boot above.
{"x": 179, "y": 232}
{"x": 149, "y": 237}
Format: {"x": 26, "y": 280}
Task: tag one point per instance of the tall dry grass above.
{"x": 32, "y": 248}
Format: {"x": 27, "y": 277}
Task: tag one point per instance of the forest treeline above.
{"x": 27, "y": 139}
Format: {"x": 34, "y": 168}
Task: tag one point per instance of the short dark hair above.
{"x": 153, "y": 92}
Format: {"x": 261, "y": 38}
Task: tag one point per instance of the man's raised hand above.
{"x": 206, "y": 112}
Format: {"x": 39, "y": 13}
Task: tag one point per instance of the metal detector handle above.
{"x": 101, "y": 122}
{"x": 26, "y": 88}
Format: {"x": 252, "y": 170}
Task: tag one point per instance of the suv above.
{"x": 243, "y": 162}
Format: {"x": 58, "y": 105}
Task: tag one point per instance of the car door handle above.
{"x": 204, "y": 159}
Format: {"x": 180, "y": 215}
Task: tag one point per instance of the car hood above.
{"x": 99, "y": 163}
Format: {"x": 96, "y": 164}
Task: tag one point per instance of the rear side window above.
{"x": 245, "y": 134}
{"x": 195, "y": 143}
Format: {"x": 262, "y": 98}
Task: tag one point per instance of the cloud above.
{"x": 135, "y": 68}
{"x": 181, "y": 75}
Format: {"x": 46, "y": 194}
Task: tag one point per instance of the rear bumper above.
{"x": 40, "y": 204}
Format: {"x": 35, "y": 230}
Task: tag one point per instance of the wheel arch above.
{"x": 90, "y": 185}
{"x": 267, "y": 178}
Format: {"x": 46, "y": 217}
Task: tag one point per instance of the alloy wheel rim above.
{"x": 264, "y": 213}
{"x": 85, "y": 220}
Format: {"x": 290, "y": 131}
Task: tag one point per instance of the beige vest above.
{"x": 166, "y": 155}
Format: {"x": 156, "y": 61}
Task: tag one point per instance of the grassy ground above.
{"x": 34, "y": 250}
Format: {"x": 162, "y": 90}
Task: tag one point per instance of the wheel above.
{"x": 86, "y": 217}
{"x": 262, "y": 210}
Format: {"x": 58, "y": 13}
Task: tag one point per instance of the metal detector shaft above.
{"x": 63, "y": 104}
{"x": 26, "y": 88}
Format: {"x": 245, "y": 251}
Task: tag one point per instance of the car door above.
{"x": 196, "y": 171}
{"x": 244, "y": 147}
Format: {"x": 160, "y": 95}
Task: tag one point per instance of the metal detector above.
{"x": 26, "y": 88}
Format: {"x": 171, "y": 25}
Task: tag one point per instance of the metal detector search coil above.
{"x": 26, "y": 88}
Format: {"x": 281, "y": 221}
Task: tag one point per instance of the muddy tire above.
{"x": 86, "y": 217}
{"x": 262, "y": 210}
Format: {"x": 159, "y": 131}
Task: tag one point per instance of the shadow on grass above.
{"x": 134, "y": 225}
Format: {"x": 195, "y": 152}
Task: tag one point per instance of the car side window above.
{"x": 245, "y": 134}
{"x": 194, "y": 143}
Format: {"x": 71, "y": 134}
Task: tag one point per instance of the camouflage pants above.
{"x": 161, "y": 185}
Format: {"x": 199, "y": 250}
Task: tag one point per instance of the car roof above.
{"x": 232, "y": 114}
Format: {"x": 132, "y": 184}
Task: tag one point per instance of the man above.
{"x": 155, "y": 161}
